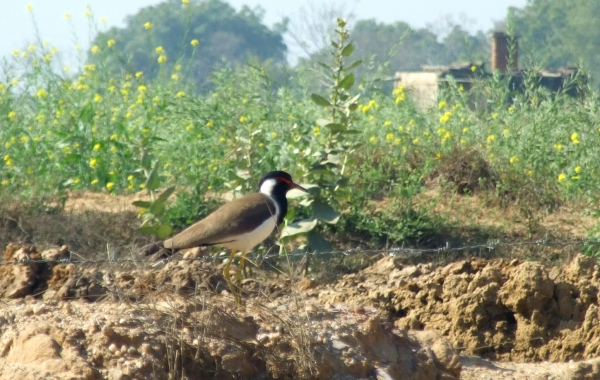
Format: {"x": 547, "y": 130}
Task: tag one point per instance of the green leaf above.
{"x": 319, "y": 100}
{"x": 142, "y": 204}
{"x": 347, "y": 50}
{"x": 351, "y": 132}
{"x": 325, "y": 212}
{"x": 323, "y": 122}
{"x": 72, "y": 158}
{"x": 148, "y": 230}
{"x": 353, "y": 65}
{"x": 347, "y": 82}
{"x": 166, "y": 194}
{"x": 318, "y": 243}
{"x": 299, "y": 227}
{"x": 153, "y": 181}
{"x": 335, "y": 127}
{"x": 146, "y": 160}
{"x": 157, "y": 208}
{"x": 164, "y": 231}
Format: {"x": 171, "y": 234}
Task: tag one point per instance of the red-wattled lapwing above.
{"x": 242, "y": 223}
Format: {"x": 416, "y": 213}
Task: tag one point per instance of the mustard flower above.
{"x": 95, "y": 49}
{"x": 562, "y": 177}
{"x": 180, "y": 94}
{"x": 194, "y": 42}
{"x": 575, "y": 138}
{"x": 148, "y": 25}
{"x": 111, "y": 43}
{"x": 93, "y": 163}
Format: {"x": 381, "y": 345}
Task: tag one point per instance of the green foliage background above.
{"x": 129, "y": 120}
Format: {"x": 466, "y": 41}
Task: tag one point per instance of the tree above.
{"x": 223, "y": 37}
{"x": 558, "y": 33}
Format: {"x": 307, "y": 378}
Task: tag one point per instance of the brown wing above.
{"x": 222, "y": 226}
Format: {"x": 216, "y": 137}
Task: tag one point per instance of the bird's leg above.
{"x": 238, "y": 274}
{"x": 227, "y": 275}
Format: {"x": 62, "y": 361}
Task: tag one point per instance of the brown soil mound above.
{"x": 497, "y": 309}
{"x": 162, "y": 323}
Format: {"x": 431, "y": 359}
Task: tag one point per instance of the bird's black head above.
{"x": 277, "y": 182}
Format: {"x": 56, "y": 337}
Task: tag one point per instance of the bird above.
{"x": 241, "y": 224}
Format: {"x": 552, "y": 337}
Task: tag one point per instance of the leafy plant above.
{"x": 326, "y": 171}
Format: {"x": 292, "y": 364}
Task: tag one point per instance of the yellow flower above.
{"x": 93, "y": 163}
{"x": 185, "y": 1}
{"x": 505, "y": 132}
{"x": 130, "y": 178}
{"x": 87, "y": 14}
{"x": 317, "y": 131}
{"x": 175, "y": 77}
{"x": 194, "y": 42}
{"x": 29, "y": 8}
{"x": 67, "y": 16}
{"x": 24, "y": 139}
{"x": 97, "y": 147}
{"x": 473, "y": 68}
{"x": 177, "y": 67}
{"x": 575, "y": 177}
{"x": 274, "y": 135}
{"x": 5, "y": 182}
{"x": 31, "y": 48}
{"x": 97, "y": 98}
{"x": 95, "y": 49}
{"x": 114, "y": 137}
{"x": 558, "y": 146}
{"x": 142, "y": 88}
{"x": 562, "y": 177}
{"x": 148, "y": 25}
{"x": 95, "y": 181}
{"x": 461, "y": 88}
{"x": 111, "y": 43}
{"x": 416, "y": 141}
{"x": 578, "y": 169}
{"x": 243, "y": 119}
{"x": 445, "y": 117}
{"x": 389, "y": 137}
{"x": 42, "y": 93}
{"x": 139, "y": 74}
{"x": 511, "y": 109}
{"x": 210, "y": 124}
{"x": 222, "y": 139}
{"x": 490, "y": 139}
{"x": 103, "y": 20}
{"x": 159, "y": 50}
{"x": 162, "y": 59}
{"x": 441, "y": 105}
{"x": 110, "y": 185}
{"x": 575, "y": 138}
{"x": 180, "y": 94}
{"x": 387, "y": 123}
{"x": 373, "y": 139}
{"x": 514, "y": 159}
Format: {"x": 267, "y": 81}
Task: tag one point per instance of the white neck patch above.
{"x": 268, "y": 186}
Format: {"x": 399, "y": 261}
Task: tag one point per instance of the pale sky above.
{"x": 17, "y": 29}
